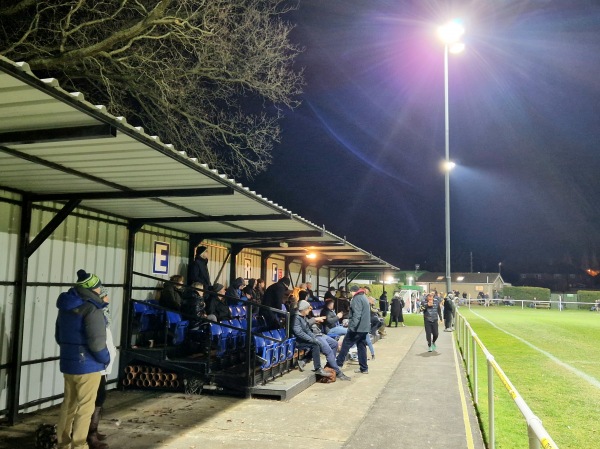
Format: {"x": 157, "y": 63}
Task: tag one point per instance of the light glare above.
{"x": 451, "y": 32}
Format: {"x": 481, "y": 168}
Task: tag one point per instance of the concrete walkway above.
{"x": 409, "y": 399}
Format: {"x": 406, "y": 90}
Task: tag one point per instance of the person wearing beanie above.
{"x": 306, "y": 337}
{"x": 234, "y": 292}
{"x": 81, "y": 334}
{"x": 274, "y": 296}
{"x": 218, "y": 309}
{"x": 199, "y": 270}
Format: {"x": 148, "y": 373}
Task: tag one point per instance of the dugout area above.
{"x": 81, "y": 188}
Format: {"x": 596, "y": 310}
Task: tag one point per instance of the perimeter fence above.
{"x": 470, "y": 346}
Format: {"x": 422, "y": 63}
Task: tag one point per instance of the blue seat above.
{"x": 177, "y": 327}
{"x": 217, "y": 340}
{"x": 234, "y": 311}
{"x": 279, "y": 350}
{"x": 264, "y": 351}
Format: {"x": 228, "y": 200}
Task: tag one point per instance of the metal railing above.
{"x": 468, "y": 341}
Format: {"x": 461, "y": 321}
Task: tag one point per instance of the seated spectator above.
{"x": 234, "y": 292}
{"x": 330, "y": 293}
{"x": 377, "y": 323}
{"x": 193, "y": 304}
{"x": 332, "y": 325}
{"x": 259, "y": 290}
{"x": 170, "y": 297}
{"x": 247, "y": 293}
{"x": 317, "y": 342}
{"x": 311, "y": 294}
{"x": 219, "y": 310}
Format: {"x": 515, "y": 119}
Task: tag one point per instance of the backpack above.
{"x": 45, "y": 437}
{"x": 327, "y": 380}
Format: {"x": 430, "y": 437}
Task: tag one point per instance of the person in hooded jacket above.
{"x": 81, "y": 334}
{"x": 171, "y": 294}
{"x": 234, "y": 292}
{"x": 218, "y": 309}
{"x": 199, "y": 270}
{"x": 396, "y": 314}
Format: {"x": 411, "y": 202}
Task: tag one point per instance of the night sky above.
{"x": 362, "y": 154}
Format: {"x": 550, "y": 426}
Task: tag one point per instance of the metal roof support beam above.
{"x": 264, "y": 257}
{"x": 51, "y": 227}
{"x": 18, "y": 314}
{"x": 213, "y": 218}
{"x": 66, "y": 134}
{"x": 261, "y": 235}
{"x": 235, "y": 250}
{"x": 134, "y": 194}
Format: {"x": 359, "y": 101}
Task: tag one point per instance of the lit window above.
{"x": 440, "y": 278}
{"x": 460, "y": 278}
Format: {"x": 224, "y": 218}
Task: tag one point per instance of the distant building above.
{"x": 470, "y": 283}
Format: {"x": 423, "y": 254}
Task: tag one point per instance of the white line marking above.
{"x": 590, "y": 379}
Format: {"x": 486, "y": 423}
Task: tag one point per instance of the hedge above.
{"x": 527, "y": 293}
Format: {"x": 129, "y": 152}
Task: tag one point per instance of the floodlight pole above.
{"x": 447, "y": 171}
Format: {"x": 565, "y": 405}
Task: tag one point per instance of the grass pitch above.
{"x": 565, "y": 396}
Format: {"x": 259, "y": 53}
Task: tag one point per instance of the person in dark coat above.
{"x": 193, "y": 304}
{"x": 218, "y": 306}
{"x": 396, "y": 310}
{"x": 259, "y": 290}
{"x": 170, "y": 297}
{"x": 330, "y": 293}
{"x": 81, "y": 334}
{"x": 234, "y": 292}
{"x": 384, "y": 304}
{"x": 448, "y": 314}
{"x": 199, "y": 270}
{"x": 432, "y": 310}
{"x": 274, "y": 296}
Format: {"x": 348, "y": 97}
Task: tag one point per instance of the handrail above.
{"x": 538, "y": 435}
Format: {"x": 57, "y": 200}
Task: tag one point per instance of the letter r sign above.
{"x": 161, "y": 258}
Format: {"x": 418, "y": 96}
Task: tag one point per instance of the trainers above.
{"x": 358, "y": 371}
{"x": 342, "y": 376}
{"x": 301, "y": 365}
{"x": 322, "y": 372}
{"x": 429, "y": 350}
{"x": 433, "y": 347}
{"x": 403, "y": 325}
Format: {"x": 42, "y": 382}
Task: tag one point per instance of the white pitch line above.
{"x": 592, "y": 380}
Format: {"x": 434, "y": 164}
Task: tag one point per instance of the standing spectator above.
{"x": 199, "y": 270}
{"x": 81, "y": 334}
{"x": 431, "y": 312}
{"x": 396, "y": 314}
{"x": 359, "y": 324}
{"x": 170, "y": 297}
{"x": 448, "y": 314}
{"x": 330, "y": 293}
{"x": 259, "y": 290}
{"x": 95, "y": 438}
{"x": 274, "y": 297}
{"x": 384, "y": 304}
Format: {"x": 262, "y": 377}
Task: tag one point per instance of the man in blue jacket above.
{"x": 81, "y": 334}
{"x": 359, "y": 325}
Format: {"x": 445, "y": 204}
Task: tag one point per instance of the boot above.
{"x": 94, "y": 438}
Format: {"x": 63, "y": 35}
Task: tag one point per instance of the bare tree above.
{"x": 209, "y": 76}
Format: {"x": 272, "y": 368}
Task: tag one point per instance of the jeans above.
{"x": 360, "y": 340}
{"x": 315, "y": 350}
{"x": 329, "y": 348}
{"x": 337, "y": 331}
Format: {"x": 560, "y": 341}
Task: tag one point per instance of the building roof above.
{"x": 461, "y": 278}
{"x": 56, "y": 146}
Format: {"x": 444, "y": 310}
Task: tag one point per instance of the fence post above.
{"x": 490, "y": 373}
{"x": 468, "y": 350}
{"x": 475, "y": 382}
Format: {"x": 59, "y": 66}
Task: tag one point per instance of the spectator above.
{"x": 304, "y": 331}
{"x": 311, "y": 294}
{"x": 431, "y": 311}
{"x": 219, "y": 310}
{"x": 234, "y": 292}
{"x": 332, "y": 325}
{"x": 247, "y": 293}
{"x": 448, "y": 314}
{"x": 199, "y": 270}
{"x": 95, "y": 438}
{"x": 397, "y": 307}
{"x": 377, "y": 323}
{"x": 359, "y": 324}
{"x": 170, "y": 296}
{"x": 193, "y": 305}
{"x": 330, "y": 293}
{"x": 274, "y": 297}
{"x": 384, "y": 304}
{"x": 81, "y": 335}
{"x": 259, "y": 290}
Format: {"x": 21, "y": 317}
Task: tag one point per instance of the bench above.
{"x": 542, "y": 304}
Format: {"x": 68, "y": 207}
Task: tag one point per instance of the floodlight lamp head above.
{"x": 451, "y": 32}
